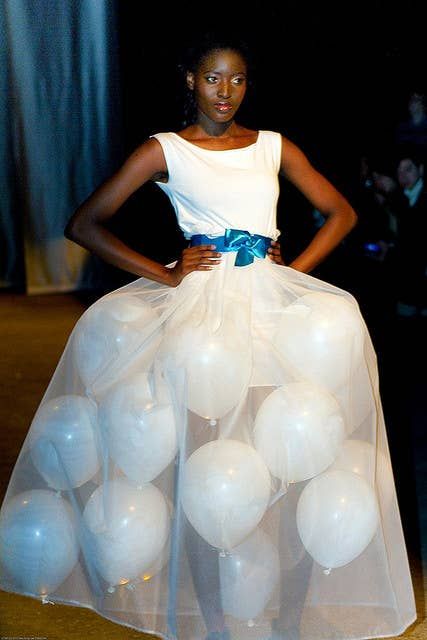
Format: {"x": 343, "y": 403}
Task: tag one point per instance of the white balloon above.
{"x": 357, "y": 456}
{"x": 38, "y": 540}
{"x": 249, "y": 573}
{"x": 362, "y": 457}
{"x": 128, "y": 308}
{"x": 321, "y": 338}
{"x": 130, "y": 526}
{"x": 157, "y": 565}
{"x": 226, "y": 490}
{"x": 163, "y": 558}
{"x": 356, "y": 398}
{"x": 298, "y": 431}
{"x": 337, "y": 517}
{"x": 140, "y": 434}
{"x": 217, "y": 366}
{"x": 110, "y": 328}
{"x": 63, "y": 443}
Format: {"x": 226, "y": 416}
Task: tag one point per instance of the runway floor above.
{"x": 34, "y": 330}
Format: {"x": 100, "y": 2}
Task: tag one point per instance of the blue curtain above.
{"x": 60, "y": 119}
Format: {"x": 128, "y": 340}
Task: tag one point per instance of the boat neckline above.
{"x": 217, "y": 150}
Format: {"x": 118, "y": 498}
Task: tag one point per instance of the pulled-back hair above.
{"x": 197, "y": 50}
{"x": 408, "y": 151}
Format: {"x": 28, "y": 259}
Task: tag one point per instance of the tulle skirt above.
{"x": 217, "y": 448}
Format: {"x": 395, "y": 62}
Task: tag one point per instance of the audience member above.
{"x": 413, "y": 130}
{"x": 408, "y": 198}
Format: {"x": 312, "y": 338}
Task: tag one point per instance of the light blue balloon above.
{"x": 38, "y": 540}
{"x": 63, "y": 441}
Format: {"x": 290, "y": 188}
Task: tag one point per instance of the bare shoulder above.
{"x": 148, "y": 151}
{"x": 292, "y": 158}
{"x": 148, "y": 159}
{"x": 297, "y": 168}
{"x": 290, "y": 147}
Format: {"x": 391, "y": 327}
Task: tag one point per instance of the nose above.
{"x": 224, "y": 89}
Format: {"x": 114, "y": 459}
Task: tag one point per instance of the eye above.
{"x": 210, "y": 79}
{"x": 239, "y": 80}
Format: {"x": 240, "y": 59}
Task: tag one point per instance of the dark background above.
{"x": 333, "y": 78}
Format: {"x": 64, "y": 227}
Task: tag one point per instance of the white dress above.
{"x": 215, "y": 448}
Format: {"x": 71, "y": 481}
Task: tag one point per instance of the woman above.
{"x": 256, "y": 380}
{"x": 218, "y": 99}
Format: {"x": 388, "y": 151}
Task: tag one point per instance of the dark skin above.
{"x": 220, "y": 79}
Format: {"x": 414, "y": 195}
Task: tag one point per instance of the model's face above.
{"x": 219, "y": 85}
{"x": 408, "y": 173}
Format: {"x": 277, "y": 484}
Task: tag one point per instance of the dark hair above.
{"x": 410, "y": 152}
{"x": 418, "y": 91}
{"x": 197, "y": 50}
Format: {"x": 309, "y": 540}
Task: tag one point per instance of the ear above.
{"x": 190, "y": 80}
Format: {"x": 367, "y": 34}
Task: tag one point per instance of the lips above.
{"x": 223, "y": 107}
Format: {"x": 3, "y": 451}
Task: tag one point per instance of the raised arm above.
{"x": 340, "y": 216}
{"x": 86, "y": 226}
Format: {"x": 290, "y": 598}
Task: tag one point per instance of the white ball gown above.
{"x": 215, "y": 447}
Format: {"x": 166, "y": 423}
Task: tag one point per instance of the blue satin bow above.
{"x": 248, "y": 245}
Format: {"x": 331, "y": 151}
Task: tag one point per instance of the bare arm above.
{"x": 86, "y": 226}
{"x": 340, "y": 216}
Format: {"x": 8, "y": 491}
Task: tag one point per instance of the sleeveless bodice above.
{"x": 212, "y": 190}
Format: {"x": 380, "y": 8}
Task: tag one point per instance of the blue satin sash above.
{"x": 248, "y": 245}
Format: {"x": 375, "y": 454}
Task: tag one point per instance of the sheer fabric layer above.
{"x": 215, "y": 446}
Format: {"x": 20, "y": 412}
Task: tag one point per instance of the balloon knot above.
{"x": 327, "y": 571}
{"x": 212, "y": 422}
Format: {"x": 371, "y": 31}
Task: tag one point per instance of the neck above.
{"x": 214, "y": 129}
{"x": 415, "y": 184}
